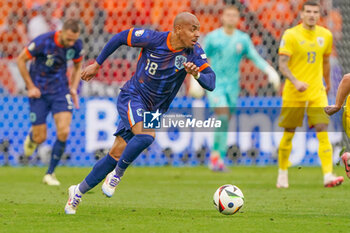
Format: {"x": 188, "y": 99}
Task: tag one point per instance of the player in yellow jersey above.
{"x": 304, "y": 59}
{"x": 343, "y": 93}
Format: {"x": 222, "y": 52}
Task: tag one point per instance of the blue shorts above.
{"x": 130, "y": 110}
{"x": 54, "y": 103}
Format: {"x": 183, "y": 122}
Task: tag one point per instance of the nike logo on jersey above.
{"x": 154, "y": 56}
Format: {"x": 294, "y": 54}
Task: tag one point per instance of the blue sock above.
{"x": 119, "y": 171}
{"x": 56, "y": 154}
{"x": 98, "y": 173}
{"x": 135, "y": 146}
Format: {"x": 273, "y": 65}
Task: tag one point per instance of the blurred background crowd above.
{"x": 263, "y": 20}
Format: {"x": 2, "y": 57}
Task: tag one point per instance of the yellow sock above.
{"x": 284, "y": 150}
{"x": 325, "y": 152}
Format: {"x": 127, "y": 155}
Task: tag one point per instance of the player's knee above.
{"x": 321, "y": 127}
{"x": 290, "y": 130}
{"x": 117, "y": 150}
{"x": 39, "y": 137}
{"x": 63, "y": 134}
{"x": 284, "y": 147}
{"x": 115, "y": 155}
{"x": 153, "y": 134}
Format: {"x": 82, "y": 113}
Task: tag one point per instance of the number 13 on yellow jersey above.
{"x": 311, "y": 57}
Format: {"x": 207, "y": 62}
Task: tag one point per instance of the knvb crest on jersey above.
{"x": 151, "y": 120}
{"x": 179, "y": 61}
{"x": 70, "y": 54}
{"x": 140, "y": 112}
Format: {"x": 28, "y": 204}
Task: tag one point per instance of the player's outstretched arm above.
{"x": 283, "y": 65}
{"x": 90, "y": 71}
{"x": 263, "y": 65}
{"x": 33, "y": 91}
{"x": 342, "y": 93}
{"x": 113, "y": 44}
{"x": 206, "y": 78}
{"x": 273, "y": 76}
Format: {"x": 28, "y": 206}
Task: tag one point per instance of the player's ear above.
{"x": 177, "y": 29}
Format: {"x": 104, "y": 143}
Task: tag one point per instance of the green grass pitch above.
{"x": 168, "y": 199}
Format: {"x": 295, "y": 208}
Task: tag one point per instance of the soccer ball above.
{"x": 228, "y": 199}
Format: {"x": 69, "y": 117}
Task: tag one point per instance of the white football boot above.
{"x": 74, "y": 198}
{"x": 282, "y": 179}
{"x": 330, "y": 180}
{"x": 50, "y": 179}
{"x": 111, "y": 182}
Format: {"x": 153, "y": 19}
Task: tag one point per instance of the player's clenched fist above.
{"x": 191, "y": 68}
{"x": 90, "y": 71}
{"x": 75, "y": 97}
{"x": 331, "y": 109}
{"x": 300, "y": 86}
{"x": 34, "y": 92}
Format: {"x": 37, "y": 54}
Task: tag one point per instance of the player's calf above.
{"x": 63, "y": 133}
{"x": 38, "y": 134}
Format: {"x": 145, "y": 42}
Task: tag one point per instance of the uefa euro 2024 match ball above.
{"x": 228, "y": 199}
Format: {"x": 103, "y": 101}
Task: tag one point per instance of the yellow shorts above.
{"x": 293, "y": 112}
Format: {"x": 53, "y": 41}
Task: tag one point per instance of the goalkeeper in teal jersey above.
{"x": 225, "y": 48}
